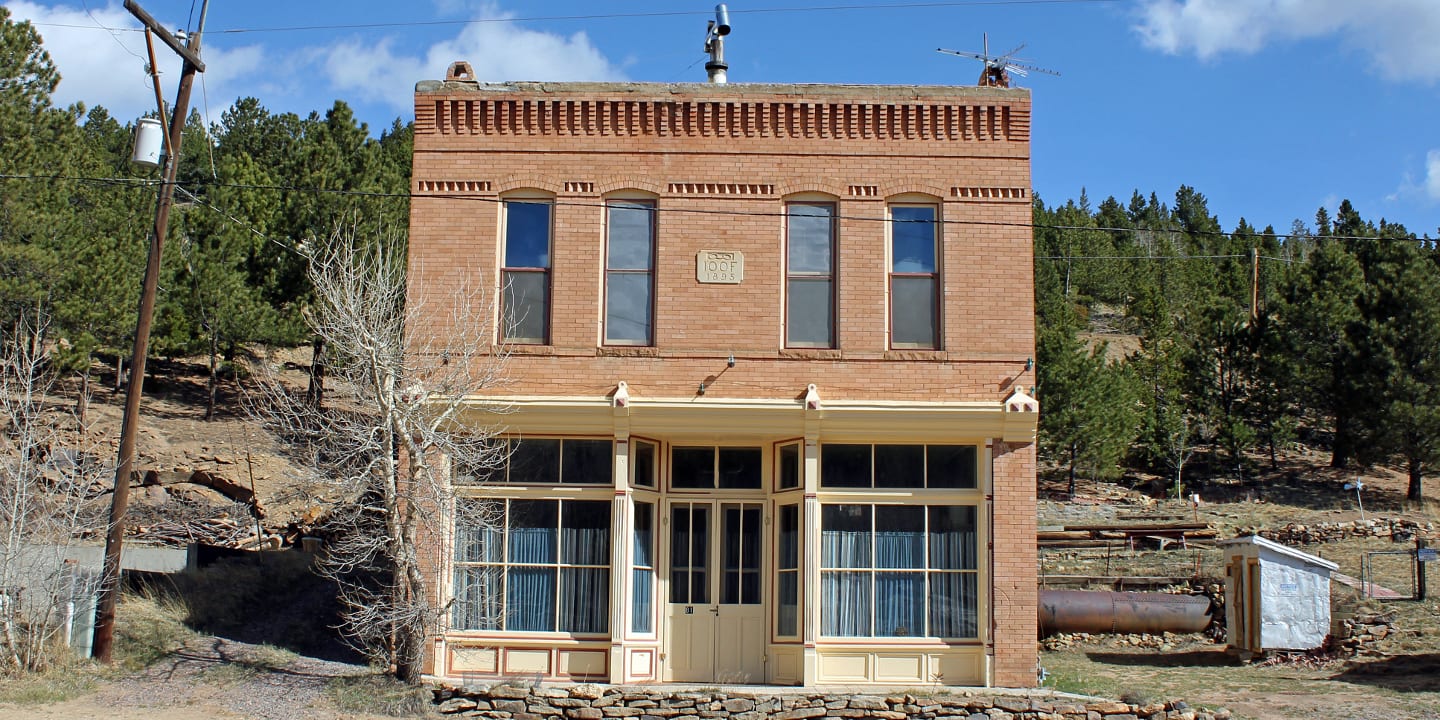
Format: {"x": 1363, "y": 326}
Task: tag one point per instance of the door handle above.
{"x": 714, "y": 610}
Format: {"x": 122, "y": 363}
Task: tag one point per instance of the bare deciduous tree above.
{"x": 398, "y": 415}
{"x": 46, "y": 470}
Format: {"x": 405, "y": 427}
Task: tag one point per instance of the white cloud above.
{"x": 108, "y": 68}
{"x": 498, "y": 51}
{"x": 1432, "y": 174}
{"x": 1397, "y": 35}
{"x": 1426, "y": 190}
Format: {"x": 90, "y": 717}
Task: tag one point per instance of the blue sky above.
{"x": 1271, "y": 108}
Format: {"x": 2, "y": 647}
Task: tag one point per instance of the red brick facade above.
{"x": 720, "y": 163}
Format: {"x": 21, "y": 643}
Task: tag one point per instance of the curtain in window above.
{"x": 900, "y": 537}
{"x": 530, "y": 599}
{"x": 788, "y": 562}
{"x": 584, "y": 600}
{"x": 476, "y": 543}
{"x": 643, "y": 585}
{"x": 952, "y": 604}
{"x": 585, "y": 533}
{"x": 845, "y": 604}
{"x": 532, "y": 531}
{"x": 845, "y": 536}
{"x": 644, "y": 536}
{"x": 643, "y": 576}
{"x": 952, "y": 538}
{"x": 787, "y": 614}
{"x": 899, "y": 604}
{"x": 532, "y": 545}
{"x": 477, "y": 599}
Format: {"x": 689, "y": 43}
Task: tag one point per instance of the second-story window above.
{"x": 629, "y": 273}
{"x": 810, "y": 275}
{"x": 525, "y": 279}
{"x": 914, "y": 277}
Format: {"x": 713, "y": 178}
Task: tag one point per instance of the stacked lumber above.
{"x": 1101, "y": 535}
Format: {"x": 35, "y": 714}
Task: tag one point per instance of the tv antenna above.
{"x": 998, "y": 67}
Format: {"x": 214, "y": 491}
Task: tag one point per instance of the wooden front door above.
{"x": 716, "y": 596}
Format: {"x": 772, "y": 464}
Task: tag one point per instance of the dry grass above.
{"x": 58, "y": 684}
{"x": 1205, "y": 676}
{"x": 380, "y": 695}
{"x": 148, "y": 628}
{"x": 1403, "y": 681}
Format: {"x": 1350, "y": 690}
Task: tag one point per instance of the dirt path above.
{"x": 211, "y": 679}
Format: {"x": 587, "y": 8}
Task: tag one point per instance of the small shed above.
{"x": 1276, "y": 597}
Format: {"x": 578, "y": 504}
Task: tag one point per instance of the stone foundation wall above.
{"x": 596, "y": 702}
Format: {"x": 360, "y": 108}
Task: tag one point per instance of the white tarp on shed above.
{"x": 1292, "y": 593}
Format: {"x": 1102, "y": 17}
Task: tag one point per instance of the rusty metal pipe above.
{"x": 1090, "y": 611}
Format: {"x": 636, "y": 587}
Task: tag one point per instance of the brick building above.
{"x": 770, "y": 348}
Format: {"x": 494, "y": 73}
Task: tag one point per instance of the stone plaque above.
{"x": 726, "y": 267}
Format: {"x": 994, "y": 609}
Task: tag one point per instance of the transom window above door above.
{"x": 710, "y": 468}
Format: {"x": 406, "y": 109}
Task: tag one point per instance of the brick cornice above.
{"x": 926, "y": 120}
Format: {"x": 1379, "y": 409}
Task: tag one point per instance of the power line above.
{"x": 1139, "y": 257}
{"x": 608, "y": 16}
{"x": 245, "y": 224}
{"x": 700, "y": 211}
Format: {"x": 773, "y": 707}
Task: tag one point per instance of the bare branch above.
{"x": 400, "y": 415}
{"x": 47, "y": 470}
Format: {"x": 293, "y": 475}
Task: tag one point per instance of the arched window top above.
{"x": 528, "y": 193}
{"x": 630, "y": 193}
{"x": 811, "y": 196}
{"x": 913, "y": 198}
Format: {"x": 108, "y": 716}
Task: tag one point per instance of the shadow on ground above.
{"x": 1403, "y": 673}
{"x": 1191, "y": 658}
{"x": 262, "y": 598}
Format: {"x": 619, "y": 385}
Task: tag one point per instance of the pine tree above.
{"x": 1320, "y": 306}
{"x": 1397, "y": 343}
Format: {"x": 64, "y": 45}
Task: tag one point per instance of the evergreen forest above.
{"x": 1166, "y": 344}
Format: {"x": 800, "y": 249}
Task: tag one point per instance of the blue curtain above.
{"x": 952, "y": 605}
{"x": 476, "y": 541}
{"x": 533, "y": 535}
{"x": 642, "y": 617}
{"x": 899, "y": 604}
{"x": 477, "y": 599}
{"x": 845, "y": 604}
{"x": 584, "y": 600}
{"x": 530, "y": 599}
{"x": 900, "y": 537}
{"x": 642, "y": 577}
{"x": 644, "y": 535}
{"x": 786, "y": 619}
{"x": 845, "y": 549}
{"x": 952, "y": 538}
{"x": 585, "y": 533}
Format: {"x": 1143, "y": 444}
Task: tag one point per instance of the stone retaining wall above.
{"x": 1397, "y": 529}
{"x": 596, "y": 702}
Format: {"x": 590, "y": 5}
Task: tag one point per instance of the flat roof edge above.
{"x": 451, "y": 87}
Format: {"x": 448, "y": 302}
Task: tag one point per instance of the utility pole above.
{"x": 129, "y": 428}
